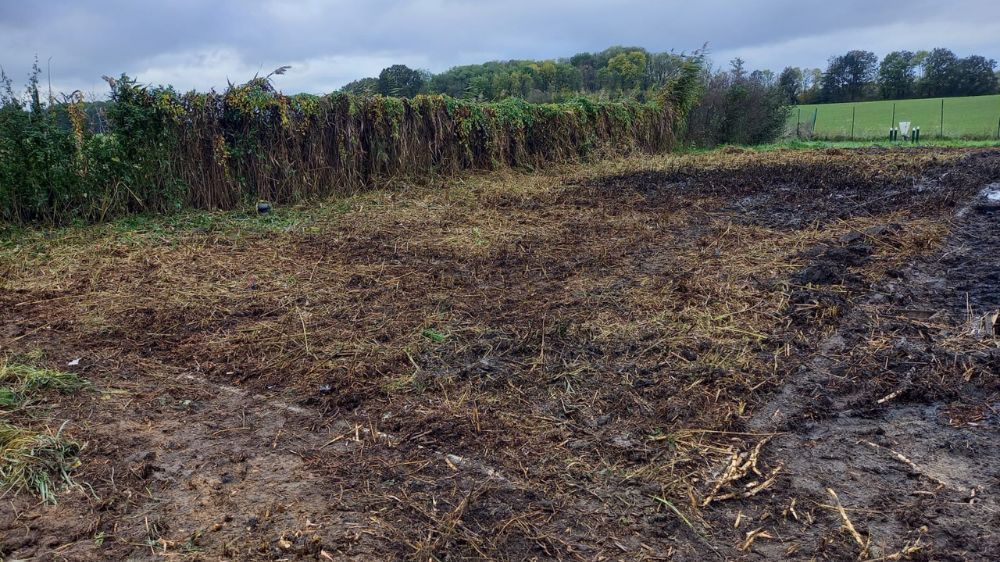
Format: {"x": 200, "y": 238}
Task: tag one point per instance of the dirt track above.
{"x": 548, "y": 365}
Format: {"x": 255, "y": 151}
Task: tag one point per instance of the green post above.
{"x": 815, "y": 115}
{"x": 798, "y": 124}
{"x": 892, "y": 120}
{"x": 854, "y": 112}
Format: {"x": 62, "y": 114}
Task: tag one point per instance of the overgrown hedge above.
{"x": 164, "y": 151}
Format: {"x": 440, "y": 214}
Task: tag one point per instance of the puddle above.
{"x": 987, "y": 200}
{"x": 991, "y": 193}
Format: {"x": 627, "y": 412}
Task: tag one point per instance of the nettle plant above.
{"x": 39, "y": 159}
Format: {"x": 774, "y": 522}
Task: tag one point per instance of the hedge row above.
{"x": 163, "y": 151}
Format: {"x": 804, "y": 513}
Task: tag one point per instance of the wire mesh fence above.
{"x": 975, "y": 117}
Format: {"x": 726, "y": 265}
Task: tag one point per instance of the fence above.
{"x": 976, "y": 117}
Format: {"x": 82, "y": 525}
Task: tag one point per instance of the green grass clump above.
{"x": 29, "y": 459}
{"x": 18, "y": 383}
{"x": 35, "y": 461}
{"x": 434, "y": 335}
{"x": 9, "y": 398}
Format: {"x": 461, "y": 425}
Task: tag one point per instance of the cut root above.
{"x": 741, "y": 465}
{"x": 848, "y": 525}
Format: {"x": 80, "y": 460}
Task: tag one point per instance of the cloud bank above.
{"x": 200, "y": 45}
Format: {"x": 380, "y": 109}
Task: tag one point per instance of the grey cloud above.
{"x": 200, "y": 44}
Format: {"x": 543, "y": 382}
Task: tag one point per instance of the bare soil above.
{"x": 734, "y": 355}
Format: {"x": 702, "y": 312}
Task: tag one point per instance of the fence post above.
{"x": 892, "y": 120}
{"x": 798, "y": 124}
{"x": 854, "y": 112}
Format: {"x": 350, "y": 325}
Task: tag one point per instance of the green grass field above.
{"x": 968, "y": 117}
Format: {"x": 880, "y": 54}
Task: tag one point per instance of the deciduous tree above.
{"x": 790, "y": 83}
{"x": 940, "y": 74}
{"x": 400, "y": 80}
{"x": 976, "y": 76}
{"x": 897, "y": 75}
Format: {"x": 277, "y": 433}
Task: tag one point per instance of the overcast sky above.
{"x": 200, "y": 44}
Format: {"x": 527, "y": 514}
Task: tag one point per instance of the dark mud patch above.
{"x": 795, "y": 192}
{"x": 830, "y": 264}
{"x": 896, "y": 413}
{"x": 180, "y": 465}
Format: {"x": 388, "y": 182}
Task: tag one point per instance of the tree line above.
{"x": 614, "y": 73}
{"x": 633, "y": 72}
{"x": 736, "y": 105}
{"x": 859, "y": 76}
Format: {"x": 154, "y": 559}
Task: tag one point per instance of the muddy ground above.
{"x": 734, "y": 355}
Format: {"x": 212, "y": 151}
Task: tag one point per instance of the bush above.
{"x": 737, "y": 108}
{"x": 39, "y": 160}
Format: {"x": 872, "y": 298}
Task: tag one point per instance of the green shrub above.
{"x": 737, "y": 108}
{"x": 39, "y": 160}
